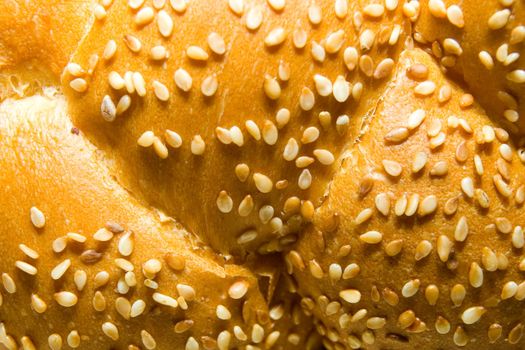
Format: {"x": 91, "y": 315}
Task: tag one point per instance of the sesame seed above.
{"x": 324, "y": 157}
{"x": 410, "y": 288}
{"x": 137, "y": 308}
{"x": 161, "y": 91}
{"x": 334, "y": 41}
{"x": 133, "y": 43}
{"x": 384, "y": 68}
{"x": 254, "y": 18}
{"x": 165, "y": 300}
{"x": 451, "y": 46}
{"x": 78, "y": 84}
{"x": 499, "y": 19}
{"x": 28, "y": 251}
{"x": 80, "y": 279}
{"x": 392, "y": 168}
{"x": 425, "y": 88}
{"x": 76, "y": 237}
{"x": 183, "y": 79}
{"x": 236, "y": 6}
{"x": 73, "y": 339}
{"x": 394, "y": 36}
{"x": 270, "y": 133}
{"x": 432, "y": 294}
{"x": 475, "y": 275}
{"x": 179, "y": 5}
{"x": 172, "y": 138}
{"x": 216, "y": 43}
{"x": 223, "y": 135}
{"x": 501, "y": 186}
{"x": 66, "y": 299}
{"x": 209, "y": 85}
{"x": 341, "y": 8}
{"x": 341, "y": 89}
{"x": 38, "y": 218}
{"x": 455, "y": 16}
{"x": 439, "y": 169}
{"x": 374, "y": 10}
{"x": 253, "y": 129}
{"x": 419, "y": 162}
{"x": 318, "y": 52}
{"x": 515, "y": 334}
{"x": 351, "y": 296}
{"x": 237, "y": 136}
{"x": 275, "y": 37}
{"x": 506, "y": 152}
{"x": 196, "y": 53}
{"x": 59, "y": 270}
{"x": 103, "y": 235}
{"x": 437, "y": 8}
{"x": 412, "y": 205}
{"x": 223, "y": 313}
{"x": 511, "y": 115}
{"x": 376, "y": 322}
{"x": 423, "y": 249}
{"x": 197, "y": 145}
{"x": 271, "y": 87}
{"x": 323, "y": 85}
{"x": 382, "y": 202}
{"x": 110, "y": 330}
{"x": 307, "y": 99}
{"x": 315, "y": 14}
{"x": 164, "y": 23}
{"x": 457, "y": 294}
{"x": 26, "y": 267}
{"x": 401, "y": 205}
{"x": 144, "y": 16}
{"x": 246, "y": 206}
{"x": 224, "y": 202}
{"x": 310, "y": 134}
{"x": 100, "y": 12}
{"x": 350, "y": 58}
{"x": 371, "y": 237}
{"x": 305, "y": 179}
{"x": 158, "y": 53}
{"x": 54, "y": 341}
{"x": 262, "y": 182}
{"x": 397, "y": 135}
{"x": 147, "y": 340}
{"x": 444, "y": 247}
{"x": 139, "y": 84}
{"x": 101, "y": 279}
{"x": 123, "y": 307}
{"x": 486, "y": 59}
{"x": 467, "y": 186}
{"x": 517, "y": 35}
{"x": 146, "y": 139}
{"x": 75, "y": 69}
{"x": 406, "y": 319}
{"x": 366, "y": 40}
{"x": 299, "y": 38}
{"x": 509, "y": 290}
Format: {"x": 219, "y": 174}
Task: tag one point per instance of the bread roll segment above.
{"x": 485, "y": 49}
{"x": 85, "y": 266}
{"x": 267, "y": 85}
{"x": 410, "y": 250}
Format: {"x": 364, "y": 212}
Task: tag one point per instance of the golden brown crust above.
{"x": 47, "y": 165}
{"x": 497, "y": 31}
{"x": 363, "y": 183}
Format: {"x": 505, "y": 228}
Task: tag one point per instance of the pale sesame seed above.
{"x": 351, "y": 57}
{"x": 275, "y": 37}
{"x": 270, "y": 133}
{"x": 351, "y": 296}
{"x": 374, "y": 10}
{"x": 341, "y": 8}
{"x": 54, "y": 341}
{"x": 236, "y": 6}
{"x": 334, "y": 41}
{"x": 412, "y": 205}
{"x": 158, "y": 53}
{"x": 323, "y": 85}
{"x": 197, "y": 145}
{"x": 423, "y": 249}
{"x": 324, "y": 157}
{"x": 66, "y": 299}
{"x": 511, "y": 115}
{"x": 139, "y": 84}
{"x": 315, "y": 14}
{"x": 99, "y": 12}
{"x": 439, "y": 169}
{"x": 263, "y": 183}
{"x": 183, "y": 79}
{"x": 394, "y": 36}
{"x": 75, "y": 69}
{"x": 110, "y": 330}
{"x": 38, "y": 218}
{"x": 165, "y": 300}
{"x": 444, "y": 247}
{"x": 196, "y": 53}
{"x": 428, "y": 205}
{"x": 137, "y": 308}
{"x": 318, "y": 52}
{"x": 271, "y": 87}
{"x": 59, "y": 270}
{"x": 371, "y": 237}
{"x": 310, "y": 134}
{"x": 161, "y": 91}
{"x": 164, "y": 23}
{"x": 133, "y": 43}
{"x": 26, "y": 267}
{"x": 509, "y": 290}
{"x": 144, "y": 16}
{"x": 392, "y": 168}
{"x": 209, "y": 85}
{"x": 382, "y": 202}
{"x": 28, "y": 251}
{"x": 179, "y": 5}
{"x": 341, "y": 89}
{"x": 401, "y": 205}
{"x": 103, "y": 235}
{"x": 254, "y": 18}
{"x": 76, "y": 237}
{"x": 80, "y": 279}
{"x": 501, "y": 186}
{"x": 384, "y": 68}
{"x": 78, "y": 84}
{"x": 135, "y": 4}
{"x": 437, "y": 8}
{"x": 517, "y": 35}
{"x": 366, "y": 40}
{"x": 101, "y": 279}
{"x": 455, "y": 16}
{"x": 410, "y": 288}
{"x": 146, "y": 139}
{"x": 305, "y": 179}
{"x": 419, "y": 162}
{"x": 457, "y": 294}
{"x": 307, "y": 99}
{"x": 246, "y": 206}
{"x": 516, "y": 76}
{"x": 299, "y": 38}
{"x": 216, "y": 43}
{"x": 499, "y": 19}
{"x": 425, "y": 88}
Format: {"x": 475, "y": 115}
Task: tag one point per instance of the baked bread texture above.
{"x": 261, "y": 174}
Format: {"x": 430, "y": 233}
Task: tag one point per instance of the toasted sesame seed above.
{"x": 262, "y": 182}
{"x": 457, "y": 294}
{"x": 371, "y": 237}
{"x": 509, "y": 290}
{"x": 246, "y": 206}
{"x": 515, "y": 334}
{"x": 417, "y": 71}
{"x": 66, "y": 299}
{"x": 432, "y": 294}
{"x": 54, "y": 341}
{"x": 444, "y": 247}
{"x": 423, "y": 249}
{"x": 437, "y": 8}
{"x": 410, "y": 288}
{"x": 442, "y": 325}
{"x": 406, "y": 319}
